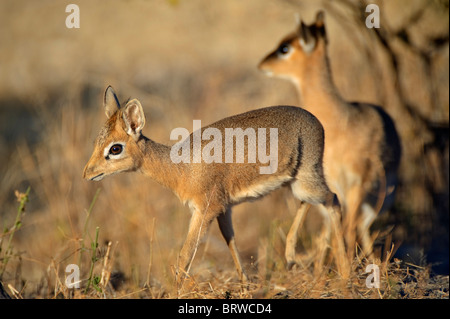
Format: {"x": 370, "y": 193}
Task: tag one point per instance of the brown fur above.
{"x": 362, "y": 147}
{"x": 212, "y": 189}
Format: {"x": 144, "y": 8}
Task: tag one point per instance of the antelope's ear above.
{"x": 320, "y": 19}
{"x": 110, "y": 102}
{"x": 320, "y": 26}
{"x": 306, "y": 37}
{"x": 134, "y": 118}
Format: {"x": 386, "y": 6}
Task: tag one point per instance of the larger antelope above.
{"x": 362, "y": 147}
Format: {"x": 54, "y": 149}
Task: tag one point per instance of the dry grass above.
{"x": 184, "y": 61}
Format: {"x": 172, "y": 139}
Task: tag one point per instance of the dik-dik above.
{"x": 211, "y": 188}
{"x": 362, "y": 147}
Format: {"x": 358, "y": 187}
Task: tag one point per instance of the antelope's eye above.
{"x": 284, "y": 48}
{"x": 116, "y": 149}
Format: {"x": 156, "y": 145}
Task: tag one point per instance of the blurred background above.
{"x": 188, "y": 60}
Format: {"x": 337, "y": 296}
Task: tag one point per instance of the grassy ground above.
{"x": 188, "y": 60}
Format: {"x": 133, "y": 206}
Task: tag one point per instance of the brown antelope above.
{"x": 211, "y": 188}
{"x": 362, "y": 147}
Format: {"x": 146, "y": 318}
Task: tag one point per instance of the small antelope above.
{"x": 362, "y": 147}
{"x": 211, "y": 189}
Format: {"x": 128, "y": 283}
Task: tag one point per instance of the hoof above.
{"x": 291, "y": 265}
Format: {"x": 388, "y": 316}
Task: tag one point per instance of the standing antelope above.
{"x": 211, "y": 189}
{"x": 362, "y": 147}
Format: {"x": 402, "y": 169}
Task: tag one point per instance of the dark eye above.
{"x": 116, "y": 149}
{"x": 284, "y": 48}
